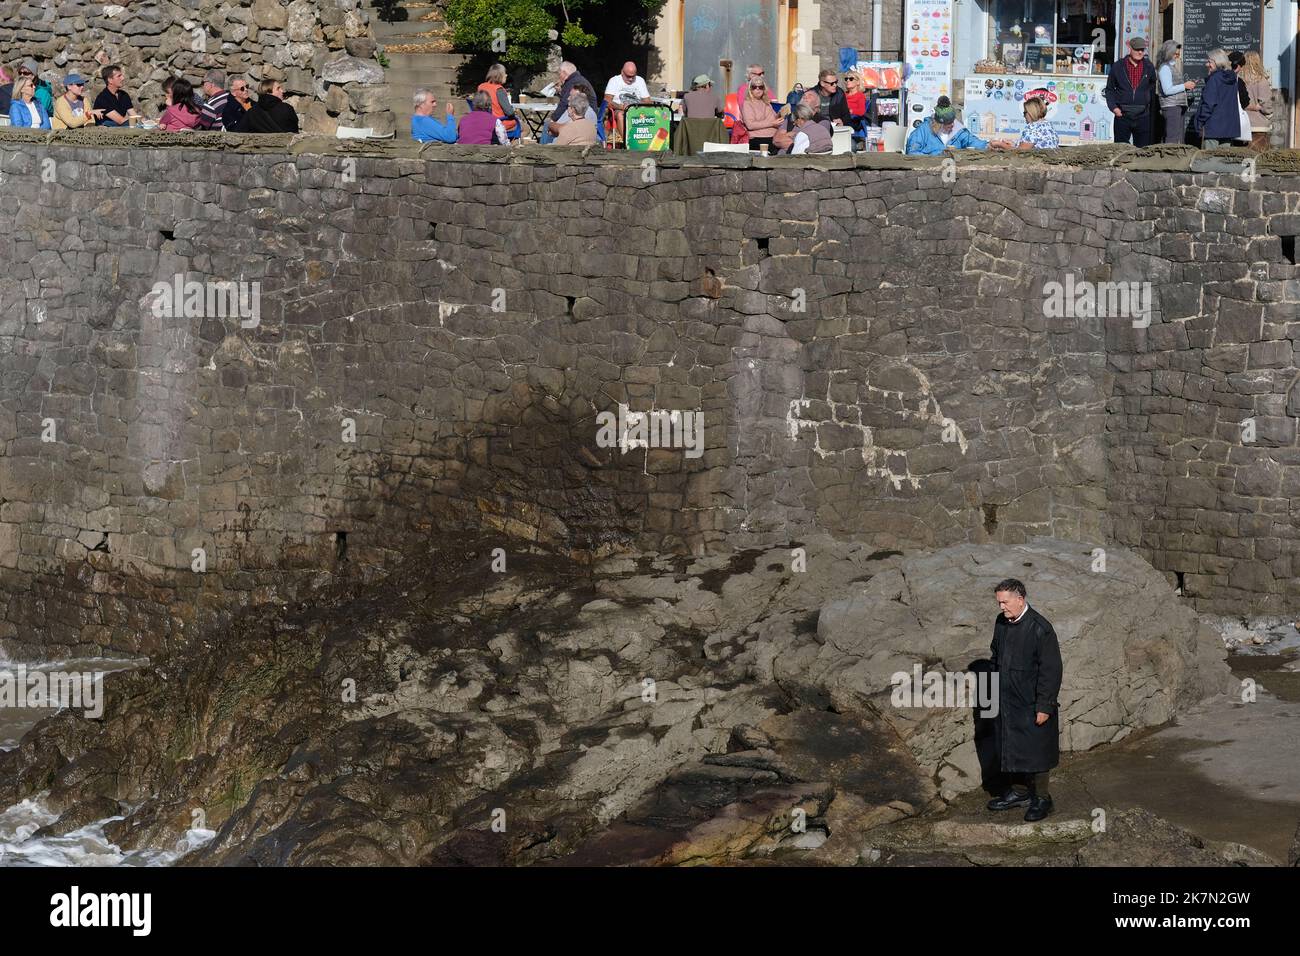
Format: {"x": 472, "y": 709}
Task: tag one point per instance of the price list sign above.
{"x": 1208, "y": 24}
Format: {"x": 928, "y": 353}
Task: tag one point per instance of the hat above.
{"x": 702, "y": 80}
{"x": 73, "y": 79}
{"x": 1138, "y": 43}
{"x": 31, "y": 66}
{"x": 945, "y": 114}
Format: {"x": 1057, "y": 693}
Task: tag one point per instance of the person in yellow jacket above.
{"x": 71, "y": 110}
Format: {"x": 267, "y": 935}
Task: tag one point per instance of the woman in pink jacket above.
{"x": 758, "y": 116}
{"x": 181, "y": 113}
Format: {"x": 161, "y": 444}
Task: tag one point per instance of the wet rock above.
{"x": 81, "y": 814}
{"x": 644, "y": 711}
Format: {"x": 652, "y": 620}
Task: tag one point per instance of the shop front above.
{"x": 989, "y": 56}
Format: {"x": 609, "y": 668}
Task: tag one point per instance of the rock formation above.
{"x": 649, "y": 710}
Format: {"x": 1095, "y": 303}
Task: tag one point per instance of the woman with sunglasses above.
{"x": 44, "y": 95}
{"x": 24, "y": 111}
{"x": 757, "y": 114}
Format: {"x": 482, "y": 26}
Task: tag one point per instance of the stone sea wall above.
{"x": 322, "y": 52}
{"x": 437, "y": 331}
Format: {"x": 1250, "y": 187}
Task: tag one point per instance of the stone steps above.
{"x": 409, "y": 70}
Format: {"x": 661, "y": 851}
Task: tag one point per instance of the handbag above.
{"x": 1243, "y": 119}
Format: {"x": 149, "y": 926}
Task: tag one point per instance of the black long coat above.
{"x": 1027, "y": 659}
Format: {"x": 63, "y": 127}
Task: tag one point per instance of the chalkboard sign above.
{"x": 1207, "y": 24}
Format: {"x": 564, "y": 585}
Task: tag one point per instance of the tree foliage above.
{"x": 520, "y": 29}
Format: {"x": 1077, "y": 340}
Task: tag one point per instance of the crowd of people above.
{"x": 1235, "y": 107}
{"x": 219, "y": 104}
{"x": 801, "y": 122}
{"x": 493, "y": 119}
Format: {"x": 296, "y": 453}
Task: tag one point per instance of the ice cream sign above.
{"x": 1076, "y": 108}
{"x": 928, "y": 51}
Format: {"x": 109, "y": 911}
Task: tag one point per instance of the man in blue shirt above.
{"x": 427, "y": 128}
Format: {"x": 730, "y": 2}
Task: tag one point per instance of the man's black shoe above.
{"x": 1012, "y": 798}
{"x": 1039, "y": 807}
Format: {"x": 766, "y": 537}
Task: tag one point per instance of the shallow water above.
{"x": 87, "y": 846}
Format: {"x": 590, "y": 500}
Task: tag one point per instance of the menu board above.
{"x": 1207, "y": 24}
{"x": 928, "y": 51}
{"x": 1076, "y": 106}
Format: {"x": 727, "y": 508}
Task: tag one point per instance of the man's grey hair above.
{"x": 579, "y": 104}
{"x": 803, "y": 111}
{"x": 1011, "y": 585}
{"x": 567, "y": 68}
{"x": 1219, "y": 58}
{"x": 420, "y": 96}
{"x": 482, "y": 101}
{"x": 216, "y": 78}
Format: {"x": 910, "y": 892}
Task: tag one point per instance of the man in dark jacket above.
{"x": 834, "y": 102}
{"x": 570, "y": 80}
{"x": 1027, "y": 660}
{"x": 1130, "y": 89}
{"x": 271, "y": 114}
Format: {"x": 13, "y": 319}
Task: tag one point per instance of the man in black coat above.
{"x": 1027, "y": 660}
{"x": 1130, "y": 92}
{"x": 834, "y": 103}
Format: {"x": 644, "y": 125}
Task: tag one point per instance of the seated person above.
{"x": 113, "y": 106}
{"x": 495, "y": 86}
{"x": 24, "y": 110}
{"x": 1037, "y": 134}
{"x": 579, "y": 131}
{"x": 702, "y": 101}
{"x": 426, "y": 127}
{"x": 939, "y": 133}
{"x": 181, "y": 112}
{"x": 71, "y": 111}
{"x": 481, "y": 127}
{"x": 761, "y": 121}
{"x": 623, "y": 90}
{"x": 811, "y": 136}
{"x": 271, "y": 113}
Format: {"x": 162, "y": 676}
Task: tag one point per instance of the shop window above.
{"x": 1050, "y": 36}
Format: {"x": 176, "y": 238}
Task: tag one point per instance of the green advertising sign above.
{"x": 648, "y": 127}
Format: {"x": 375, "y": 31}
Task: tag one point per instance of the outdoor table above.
{"x": 535, "y": 114}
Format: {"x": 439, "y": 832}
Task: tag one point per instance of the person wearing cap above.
{"x": 70, "y": 110}
{"x": 1130, "y": 89}
{"x": 940, "y": 132}
{"x": 44, "y": 95}
{"x": 702, "y": 101}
